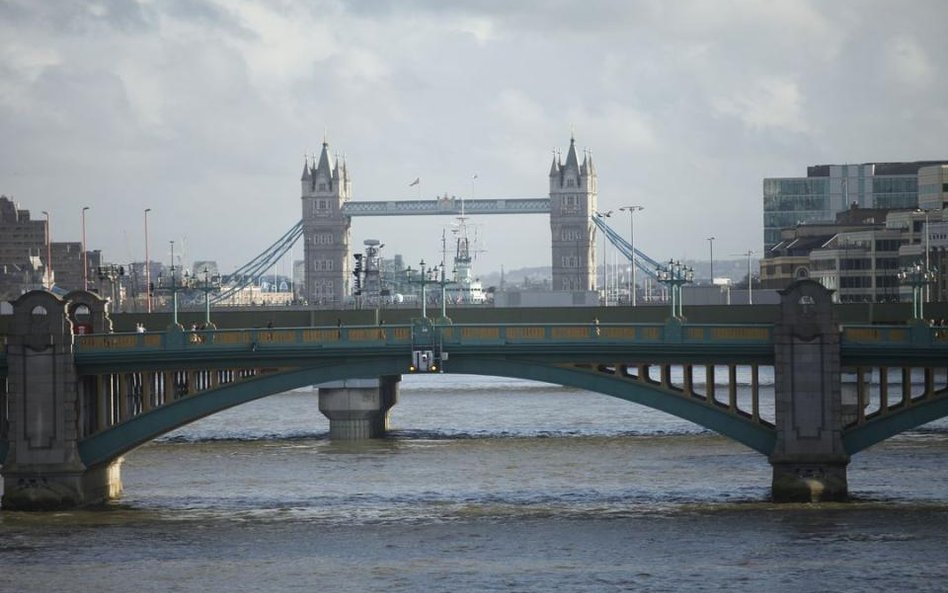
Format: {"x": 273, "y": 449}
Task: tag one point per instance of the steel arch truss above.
{"x": 889, "y": 400}
{"x": 150, "y": 403}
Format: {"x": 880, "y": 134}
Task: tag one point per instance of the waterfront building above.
{"x": 933, "y": 187}
{"x": 860, "y": 266}
{"x": 22, "y": 250}
{"x": 789, "y": 259}
{"x": 68, "y": 264}
{"x": 860, "y": 255}
{"x": 829, "y": 189}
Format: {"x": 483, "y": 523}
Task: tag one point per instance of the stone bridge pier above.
{"x": 809, "y": 460}
{"x": 358, "y": 408}
{"x": 45, "y": 410}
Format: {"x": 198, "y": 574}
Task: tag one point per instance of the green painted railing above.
{"x": 467, "y": 334}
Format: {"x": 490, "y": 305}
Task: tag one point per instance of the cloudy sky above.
{"x": 202, "y": 110}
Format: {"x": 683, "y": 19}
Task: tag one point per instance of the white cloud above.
{"x": 907, "y": 64}
{"x": 205, "y": 107}
{"x": 769, "y": 103}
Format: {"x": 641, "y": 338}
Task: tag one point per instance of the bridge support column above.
{"x": 809, "y": 461}
{"x": 42, "y": 469}
{"x": 358, "y": 408}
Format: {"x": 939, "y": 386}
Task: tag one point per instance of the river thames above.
{"x": 485, "y": 484}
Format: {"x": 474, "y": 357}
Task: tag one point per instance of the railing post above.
{"x": 808, "y": 460}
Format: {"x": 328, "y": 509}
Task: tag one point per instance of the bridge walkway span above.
{"x": 156, "y": 382}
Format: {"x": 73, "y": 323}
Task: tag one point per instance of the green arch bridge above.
{"x": 837, "y": 389}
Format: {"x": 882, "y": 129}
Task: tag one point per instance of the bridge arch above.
{"x": 103, "y": 447}
{"x": 877, "y": 430}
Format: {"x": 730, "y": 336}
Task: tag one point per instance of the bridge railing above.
{"x": 895, "y": 336}
{"x": 454, "y": 334}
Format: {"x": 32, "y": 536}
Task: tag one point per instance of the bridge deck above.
{"x": 567, "y": 342}
{"x": 452, "y": 206}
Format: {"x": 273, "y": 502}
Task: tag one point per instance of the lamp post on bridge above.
{"x": 211, "y": 284}
{"x": 674, "y": 275}
{"x": 85, "y": 257}
{"x": 632, "y": 210}
{"x": 174, "y": 290}
{"x": 443, "y": 282}
{"x": 918, "y": 277}
{"x": 114, "y": 275}
{"x": 147, "y": 266}
{"x": 711, "y": 254}
{"x": 49, "y": 255}
{"x": 750, "y": 277}
{"x": 424, "y": 281}
{"x": 604, "y": 286}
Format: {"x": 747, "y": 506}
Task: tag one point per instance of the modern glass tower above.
{"x": 829, "y": 189}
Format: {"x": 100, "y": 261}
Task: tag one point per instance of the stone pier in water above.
{"x": 358, "y": 408}
{"x": 809, "y": 461}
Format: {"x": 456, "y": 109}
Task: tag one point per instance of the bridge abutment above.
{"x": 809, "y": 461}
{"x": 358, "y": 408}
{"x": 42, "y": 469}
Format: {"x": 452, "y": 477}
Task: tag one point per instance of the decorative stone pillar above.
{"x": 42, "y": 469}
{"x": 809, "y": 461}
{"x": 358, "y": 408}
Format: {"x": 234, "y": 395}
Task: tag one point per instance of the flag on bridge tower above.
{"x": 415, "y": 182}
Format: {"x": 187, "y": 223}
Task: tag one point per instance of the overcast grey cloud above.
{"x": 203, "y": 110}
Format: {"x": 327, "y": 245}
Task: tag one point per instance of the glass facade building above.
{"x": 829, "y": 189}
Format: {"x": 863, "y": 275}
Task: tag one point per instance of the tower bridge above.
{"x": 328, "y": 208}
{"x": 71, "y": 404}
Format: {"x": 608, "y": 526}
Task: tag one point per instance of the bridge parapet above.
{"x": 454, "y": 334}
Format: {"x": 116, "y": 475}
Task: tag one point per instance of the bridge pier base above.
{"x": 49, "y": 488}
{"x": 358, "y": 408}
{"x": 809, "y": 460}
{"x": 43, "y": 469}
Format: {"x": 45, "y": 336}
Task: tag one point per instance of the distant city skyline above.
{"x": 203, "y": 111}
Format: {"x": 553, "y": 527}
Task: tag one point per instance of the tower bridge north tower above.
{"x": 573, "y": 195}
{"x": 326, "y": 187}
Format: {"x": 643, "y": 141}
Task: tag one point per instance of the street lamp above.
{"x": 632, "y": 210}
{"x": 750, "y": 279}
{"x": 174, "y": 289}
{"x": 49, "y": 255}
{"x": 927, "y": 251}
{"x": 443, "y": 282}
{"x": 147, "y": 266}
{"x": 424, "y": 281}
{"x": 711, "y": 249}
{"x": 675, "y": 274}
{"x": 114, "y": 275}
{"x": 917, "y": 277}
{"x": 604, "y": 287}
{"x": 210, "y": 285}
{"x": 85, "y": 257}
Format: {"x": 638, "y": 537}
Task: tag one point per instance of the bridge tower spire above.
{"x": 574, "y": 193}
{"x": 326, "y": 186}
